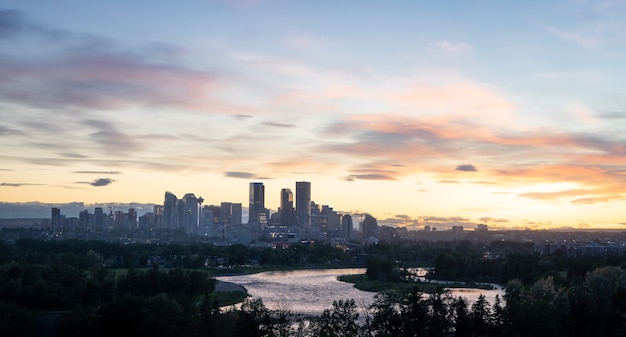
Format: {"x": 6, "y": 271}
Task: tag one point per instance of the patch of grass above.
{"x": 361, "y": 282}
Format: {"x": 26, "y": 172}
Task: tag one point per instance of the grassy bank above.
{"x": 244, "y": 270}
{"x": 361, "y": 282}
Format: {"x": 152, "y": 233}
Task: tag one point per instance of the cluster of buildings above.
{"x": 297, "y": 218}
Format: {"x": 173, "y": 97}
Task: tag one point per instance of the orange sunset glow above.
{"x": 505, "y": 114}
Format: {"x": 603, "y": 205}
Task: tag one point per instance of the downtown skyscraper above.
{"x": 256, "y": 211}
{"x": 303, "y": 204}
{"x": 287, "y": 215}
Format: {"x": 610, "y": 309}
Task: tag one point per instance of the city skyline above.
{"x": 507, "y": 114}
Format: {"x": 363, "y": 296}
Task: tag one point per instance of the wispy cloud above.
{"x": 371, "y": 176}
{"x": 14, "y": 23}
{"x": 487, "y": 219}
{"x": 556, "y": 194}
{"x": 97, "y": 172}
{"x": 18, "y": 184}
{"x": 240, "y": 175}
{"x": 278, "y": 125}
{"x": 110, "y": 138}
{"x": 73, "y": 155}
{"x": 453, "y": 48}
{"x": 90, "y": 72}
{"x": 32, "y": 184}
{"x": 596, "y": 200}
{"x": 449, "y": 181}
{"x": 579, "y": 38}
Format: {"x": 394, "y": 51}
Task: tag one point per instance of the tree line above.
{"x": 556, "y": 295}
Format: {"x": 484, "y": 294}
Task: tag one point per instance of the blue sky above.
{"x": 453, "y": 112}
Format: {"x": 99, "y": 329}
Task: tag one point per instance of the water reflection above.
{"x": 302, "y": 291}
{"x": 312, "y": 291}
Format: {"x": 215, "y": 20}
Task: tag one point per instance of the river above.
{"x": 313, "y": 290}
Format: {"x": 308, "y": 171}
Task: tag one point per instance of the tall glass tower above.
{"x": 257, "y": 202}
{"x": 303, "y": 204}
{"x": 286, "y": 207}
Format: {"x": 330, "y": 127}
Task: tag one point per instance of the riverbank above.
{"x": 247, "y": 270}
{"x": 221, "y": 286}
{"x": 228, "y": 293}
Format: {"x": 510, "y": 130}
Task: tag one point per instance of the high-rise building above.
{"x": 303, "y": 204}
{"x": 286, "y": 207}
{"x": 316, "y": 215}
{"x": 257, "y": 203}
{"x": 369, "y": 227}
{"x": 331, "y": 218}
{"x": 191, "y": 213}
{"x": 55, "y": 219}
{"x": 158, "y": 217}
{"x": 83, "y": 219}
{"x": 211, "y": 214}
{"x": 132, "y": 218}
{"x": 100, "y": 218}
{"x": 346, "y": 226}
{"x": 236, "y": 213}
{"x": 230, "y": 213}
{"x": 170, "y": 211}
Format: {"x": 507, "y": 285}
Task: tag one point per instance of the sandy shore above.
{"x": 228, "y": 286}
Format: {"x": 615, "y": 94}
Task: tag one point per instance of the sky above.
{"x": 420, "y": 113}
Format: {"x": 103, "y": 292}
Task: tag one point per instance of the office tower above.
{"x": 226, "y": 213}
{"x": 83, "y": 219}
{"x": 191, "y": 213}
{"x": 211, "y": 214}
{"x": 170, "y": 211}
{"x": 236, "y": 214}
{"x": 316, "y": 215}
{"x": 100, "y": 218}
{"x": 230, "y": 213}
{"x": 158, "y": 217}
{"x": 346, "y": 226}
{"x": 55, "y": 220}
{"x": 286, "y": 207}
{"x": 303, "y": 204}
{"x": 132, "y": 218}
{"x": 369, "y": 227}
{"x": 331, "y": 218}
{"x": 257, "y": 203}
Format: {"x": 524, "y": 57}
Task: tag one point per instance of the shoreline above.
{"x": 222, "y": 286}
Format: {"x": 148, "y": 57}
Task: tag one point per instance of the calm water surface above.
{"x": 302, "y": 291}
{"x": 312, "y": 291}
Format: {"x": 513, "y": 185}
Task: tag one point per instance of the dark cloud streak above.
{"x": 278, "y": 125}
{"x": 240, "y": 175}
{"x": 466, "y": 168}
{"x": 97, "y": 172}
{"x": 18, "y": 184}
{"x": 97, "y": 182}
